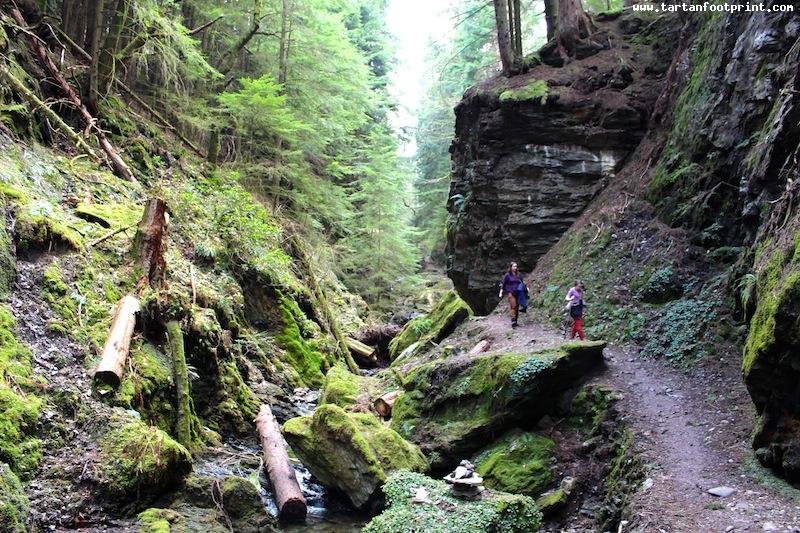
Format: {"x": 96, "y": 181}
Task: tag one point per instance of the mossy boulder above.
{"x": 519, "y": 462}
{"x": 454, "y": 407}
{"x": 352, "y": 452}
{"x": 494, "y": 512}
{"x": 771, "y": 364}
{"x": 349, "y": 391}
{"x": 197, "y": 504}
{"x": 433, "y": 327}
{"x": 135, "y": 457}
{"x": 14, "y": 505}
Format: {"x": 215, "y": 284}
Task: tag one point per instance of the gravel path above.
{"x": 692, "y": 430}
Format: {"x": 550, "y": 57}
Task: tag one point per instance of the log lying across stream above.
{"x": 385, "y": 403}
{"x": 288, "y": 496}
{"x": 365, "y": 356}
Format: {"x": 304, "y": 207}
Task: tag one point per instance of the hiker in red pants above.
{"x": 576, "y": 309}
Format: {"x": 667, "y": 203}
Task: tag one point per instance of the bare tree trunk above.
{"x": 550, "y": 15}
{"x": 288, "y": 496}
{"x": 107, "y": 68}
{"x": 512, "y": 28}
{"x": 503, "y": 35}
{"x": 573, "y": 25}
{"x": 118, "y": 343}
{"x": 284, "y": 45}
{"x": 93, "y": 36}
{"x": 517, "y": 23}
{"x": 150, "y": 242}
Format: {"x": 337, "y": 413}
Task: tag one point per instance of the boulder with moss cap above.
{"x": 352, "y": 452}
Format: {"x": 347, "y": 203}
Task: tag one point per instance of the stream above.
{"x": 327, "y": 511}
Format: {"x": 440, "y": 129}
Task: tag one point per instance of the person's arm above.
{"x": 502, "y": 284}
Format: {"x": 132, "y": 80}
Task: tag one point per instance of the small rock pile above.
{"x": 465, "y": 482}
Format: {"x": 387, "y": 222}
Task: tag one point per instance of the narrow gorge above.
{"x": 209, "y": 204}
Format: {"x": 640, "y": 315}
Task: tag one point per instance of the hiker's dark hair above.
{"x": 510, "y": 265}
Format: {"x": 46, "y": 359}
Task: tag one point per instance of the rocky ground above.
{"x": 692, "y": 431}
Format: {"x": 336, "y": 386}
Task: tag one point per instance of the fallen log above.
{"x": 480, "y": 347}
{"x": 117, "y": 346}
{"x": 38, "y": 50}
{"x": 364, "y": 355}
{"x": 37, "y": 104}
{"x": 149, "y": 244}
{"x": 288, "y": 496}
{"x": 186, "y": 425}
{"x": 384, "y": 404}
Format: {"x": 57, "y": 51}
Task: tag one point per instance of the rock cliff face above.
{"x": 532, "y": 151}
{"x": 711, "y": 195}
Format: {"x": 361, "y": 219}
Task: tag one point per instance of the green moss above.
{"x": 301, "y": 353}
{"x": 532, "y": 91}
{"x": 239, "y": 405}
{"x": 18, "y": 411}
{"x": 451, "y": 406}
{"x": 109, "y": 215}
{"x": 678, "y": 333}
{"x": 187, "y": 425}
{"x": 8, "y": 269}
{"x": 495, "y": 513}
{"x": 342, "y": 387}
{"x": 433, "y": 327}
{"x": 350, "y": 451}
{"x": 518, "y": 462}
{"x": 14, "y": 505}
{"x": 135, "y": 457}
{"x": 590, "y": 407}
{"x": 551, "y": 501}
{"x": 158, "y": 520}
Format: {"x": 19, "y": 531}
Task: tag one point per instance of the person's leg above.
{"x": 512, "y": 308}
{"x": 575, "y": 323}
{"x": 579, "y": 328}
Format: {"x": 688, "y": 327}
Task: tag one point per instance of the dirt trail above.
{"x": 692, "y": 430}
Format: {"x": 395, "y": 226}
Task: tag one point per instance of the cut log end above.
{"x": 107, "y": 377}
{"x": 288, "y": 496}
{"x": 385, "y": 403}
{"x": 293, "y": 509}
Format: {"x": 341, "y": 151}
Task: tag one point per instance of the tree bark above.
{"x": 366, "y": 356}
{"x": 550, "y": 15}
{"x": 95, "y": 25}
{"x": 213, "y": 145}
{"x": 118, "y": 343}
{"x": 283, "y": 45}
{"x": 503, "y": 34}
{"x": 288, "y": 496}
{"x": 150, "y": 243}
{"x": 517, "y": 23}
{"x": 385, "y": 403}
{"x": 39, "y": 51}
{"x": 573, "y": 25}
{"x": 107, "y": 69}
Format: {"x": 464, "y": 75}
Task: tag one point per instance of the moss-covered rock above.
{"x": 494, "y": 512}
{"x": 518, "y": 462}
{"x": 433, "y": 327}
{"x": 14, "y": 505}
{"x": 349, "y": 391}
{"x": 301, "y": 353}
{"x": 155, "y": 520}
{"x": 453, "y": 408}
{"x": 136, "y": 457}
{"x": 770, "y": 364}
{"x": 352, "y": 452}
{"x": 550, "y": 502}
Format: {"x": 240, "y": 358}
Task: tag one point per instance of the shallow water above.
{"x": 327, "y": 513}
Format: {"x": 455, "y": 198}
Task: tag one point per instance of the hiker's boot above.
{"x": 514, "y": 323}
